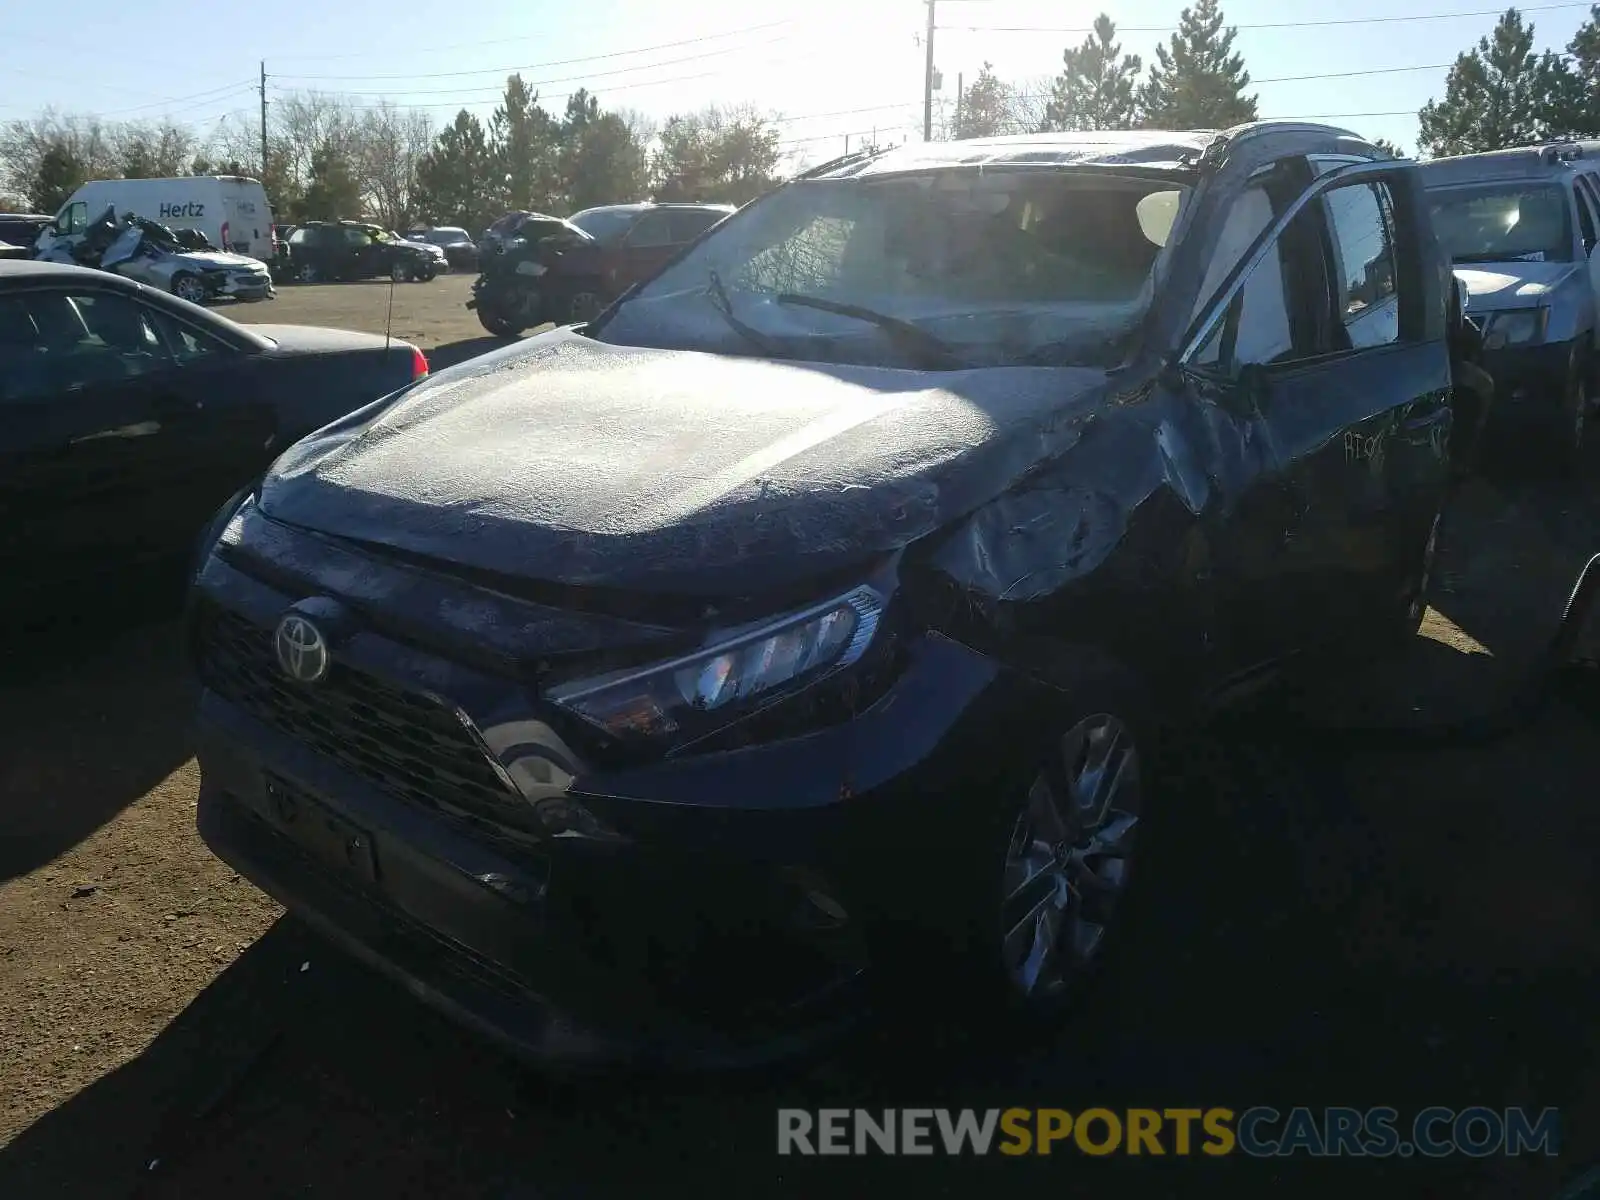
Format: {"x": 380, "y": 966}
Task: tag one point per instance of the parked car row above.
{"x": 324, "y": 251}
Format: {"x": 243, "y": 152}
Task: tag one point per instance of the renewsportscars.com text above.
{"x": 1258, "y": 1132}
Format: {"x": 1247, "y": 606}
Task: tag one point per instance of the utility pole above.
{"x": 927, "y": 81}
{"x": 961, "y": 90}
{"x": 263, "y": 120}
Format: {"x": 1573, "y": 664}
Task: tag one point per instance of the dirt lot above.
{"x": 1360, "y": 923}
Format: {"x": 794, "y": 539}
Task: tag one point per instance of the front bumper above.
{"x": 688, "y": 935}
{"x": 1530, "y": 383}
{"x": 254, "y": 286}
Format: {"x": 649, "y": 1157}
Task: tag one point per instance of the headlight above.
{"x": 740, "y": 671}
{"x": 1516, "y": 328}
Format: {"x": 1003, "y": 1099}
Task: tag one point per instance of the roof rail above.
{"x": 1560, "y": 150}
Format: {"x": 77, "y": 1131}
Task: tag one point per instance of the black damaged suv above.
{"x": 653, "y": 688}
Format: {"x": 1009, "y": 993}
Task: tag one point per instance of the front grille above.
{"x": 408, "y": 744}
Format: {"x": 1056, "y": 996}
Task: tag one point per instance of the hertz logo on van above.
{"x": 192, "y": 209}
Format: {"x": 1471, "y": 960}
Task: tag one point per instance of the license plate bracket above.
{"x": 340, "y": 843}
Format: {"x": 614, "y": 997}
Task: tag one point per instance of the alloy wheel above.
{"x": 187, "y": 287}
{"x": 1066, "y": 865}
{"x": 398, "y": 273}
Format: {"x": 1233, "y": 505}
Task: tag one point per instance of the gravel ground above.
{"x": 1357, "y": 924}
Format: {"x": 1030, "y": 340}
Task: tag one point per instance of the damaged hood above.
{"x": 211, "y": 260}
{"x": 570, "y": 461}
{"x": 1501, "y": 285}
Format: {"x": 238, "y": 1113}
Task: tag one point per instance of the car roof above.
{"x": 1519, "y": 162}
{"x": 646, "y": 205}
{"x": 1134, "y": 147}
{"x": 23, "y": 268}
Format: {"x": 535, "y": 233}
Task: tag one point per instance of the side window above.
{"x": 651, "y": 230}
{"x": 1585, "y": 217}
{"x": 1257, "y": 329}
{"x": 75, "y": 219}
{"x": 689, "y": 223}
{"x": 186, "y": 344}
{"x": 97, "y": 337}
{"x": 1250, "y": 215}
{"x": 24, "y": 373}
{"x": 1588, "y": 209}
{"x": 1362, "y": 226}
{"x": 356, "y": 238}
{"x": 300, "y": 237}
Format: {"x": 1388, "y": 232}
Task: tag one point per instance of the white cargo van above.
{"x": 230, "y": 210}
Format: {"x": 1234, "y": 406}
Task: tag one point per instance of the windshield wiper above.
{"x": 724, "y": 307}
{"x": 919, "y": 341}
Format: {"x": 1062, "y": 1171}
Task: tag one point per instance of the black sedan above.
{"x": 131, "y": 415}
{"x": 807, "y": 620}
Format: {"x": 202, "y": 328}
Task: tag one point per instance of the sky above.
{"x": 833, "y": 72}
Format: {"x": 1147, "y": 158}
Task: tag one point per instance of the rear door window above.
{"x": 652, "y": 229}
{"x": 1361, "y": 222}
{"x": 689, "y": 223}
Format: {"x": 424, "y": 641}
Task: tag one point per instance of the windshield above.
{"x": 1509, "y": 222}
{"x": 603, "y": 224}
{"x": 446, "y": 236}
{"x": 1001, "y": 267}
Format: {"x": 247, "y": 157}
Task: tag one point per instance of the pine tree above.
{"x": 456, "y": 178}
{"x": 1096, "y": 84}
{"x": 1498, "y": 94}
{"x": 1576, "y": 93}
{"x": 986, "y": 107}
{"x": 526, "y": 141}
{"x": 1197, "y": 82}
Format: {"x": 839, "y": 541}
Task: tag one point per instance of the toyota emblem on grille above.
{"x": 301, "y": 649}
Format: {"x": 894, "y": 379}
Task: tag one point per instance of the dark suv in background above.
{"x": 22, "y": 230}
{"x": 459, "y": 248}
{"x": 324, "y": 250}
{"x": 637, "y": 240}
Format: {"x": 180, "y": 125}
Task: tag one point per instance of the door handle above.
{"x": 136, "y": 430}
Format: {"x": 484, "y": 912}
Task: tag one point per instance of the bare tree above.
{"x": 392, "y": 143}
{"x": 77, "y": 147}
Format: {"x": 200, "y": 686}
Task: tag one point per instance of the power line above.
{"x": 1490, "y": 12}
{"x": 225, "y": 92}
{"x": 497, "y": 88}
{"x": 487, "y": 94}
{"x": 463, "y": 98}
{"x": 560, "y": 62}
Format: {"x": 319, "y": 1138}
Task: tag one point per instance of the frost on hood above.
{"x": 592, "y": 463}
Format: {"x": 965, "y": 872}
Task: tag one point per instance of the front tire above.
{"x": 500, "y": 327}
{"x": 399, "y": 273}
{"x": 186, "y": 286}
{"x": 1047, "y": 871}
{"x": 1575, "y": 404}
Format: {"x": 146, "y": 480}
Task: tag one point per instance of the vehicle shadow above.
{"x": 1347, "y": 939}
{"x": 451, "y": 353}
{"x": 93, "y": 714}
